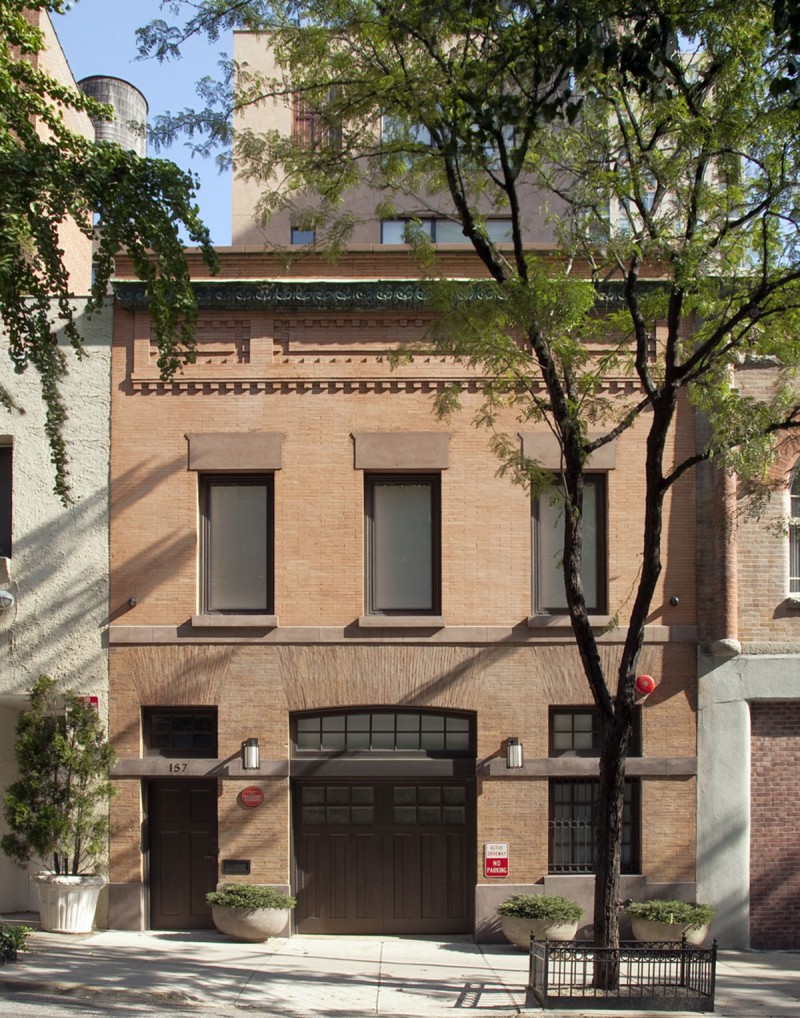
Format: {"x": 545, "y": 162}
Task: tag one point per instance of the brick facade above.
{"x": 775, "y": 821}
{"x": 315, "y": 379}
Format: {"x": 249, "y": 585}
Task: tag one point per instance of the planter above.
{"x": 68, "y": 904}
{"x": 645, "y": 930}
{"x": 518, "y": 931}
{"x": 250, "y": 924}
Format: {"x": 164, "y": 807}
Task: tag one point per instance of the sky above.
{"x": 98, "y": 37}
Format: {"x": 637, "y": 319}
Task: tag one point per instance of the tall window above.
{"x": 794, "y": 536}
{"x": 548, "y": 512}
{"x": 5, "y": 501}
{"x": 577, "y": 731}
{"x": 402, "y": 544}
{"x": 237, "y": 543}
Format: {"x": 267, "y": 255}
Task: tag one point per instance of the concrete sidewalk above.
{"x": 345, "y": 977}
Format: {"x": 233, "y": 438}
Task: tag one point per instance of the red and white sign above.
{"x": 90, "y": 701}
{"x": 251, "y": 796}
{"x": 495, "y": 859}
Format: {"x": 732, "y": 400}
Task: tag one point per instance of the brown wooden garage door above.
{"x": 388, "y": 856}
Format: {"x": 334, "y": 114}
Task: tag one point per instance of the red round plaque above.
{"x": 251, "y": 796}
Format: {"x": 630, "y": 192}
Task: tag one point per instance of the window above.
{"x": 385, "y": 731}
{"x": 5, "y": 501}
{"x": 402, "y": 533}
{"x": 577, "y": 731}
{"x": 180, "y": 731}
{"x": 303, "y": 236}
{"x": 548, "y": 512}
{"x": 312, "y": 128}
{"x": 443, "y": 231}
{"x": 573, "y": 808}
{"x": 794, "y": 536}
{"x": 237, "y": 543}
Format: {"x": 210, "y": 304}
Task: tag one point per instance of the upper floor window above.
{"x": 794, "y": 536}
{"x": 237, "y": 543}
{"x": 5, "y": 500}
{"x": 299, "y": 236}
{"x": 442, "y": 231}
{"x": 312, "y": 128}
{"x": 402, "y": 532}
{"x": 548, "y": 545}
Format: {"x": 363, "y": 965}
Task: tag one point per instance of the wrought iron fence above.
{"x": 652, "y": 976}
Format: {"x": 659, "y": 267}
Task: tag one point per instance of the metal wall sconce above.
{"x": 6, "y": 600}
{"x": 514, "y": 757}
{"x": 251, "y": 756}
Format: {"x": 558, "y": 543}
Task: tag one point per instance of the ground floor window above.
{"x": 573, "y": 810}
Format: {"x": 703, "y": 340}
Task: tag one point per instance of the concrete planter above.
{"x": 645, "y": 930}
{"x": 518, "y": 931}
{"x": 250, "y": 924}
{"x": 67, "y": 904}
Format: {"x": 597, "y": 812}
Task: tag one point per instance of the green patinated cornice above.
{"x": 319, "y": 295}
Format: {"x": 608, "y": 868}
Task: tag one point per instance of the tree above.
{"x": 670, "y": 161}
{"x": 55, "y": 811}
{"x": 51, "y": 174}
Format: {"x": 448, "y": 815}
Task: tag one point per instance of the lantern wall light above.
{"x": 514, "y": 755}
{"x": 251, "y": 756}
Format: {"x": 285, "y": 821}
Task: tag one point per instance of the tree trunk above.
{"x": 608, "y": 846}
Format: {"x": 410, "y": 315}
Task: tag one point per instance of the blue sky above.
{"x": 98, "y": 37}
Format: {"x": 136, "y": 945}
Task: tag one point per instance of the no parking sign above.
{"x": 495, "y": 859}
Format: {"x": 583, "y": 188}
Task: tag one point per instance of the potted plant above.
{"x": 13, "y": 939}
{"x": 661, "y": 920}
{"x": 250, "y": 912}
{"x": 547, "y": 916}
{"x": 57, "y": 812}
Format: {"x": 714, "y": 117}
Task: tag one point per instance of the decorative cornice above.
{"x": 325, "y": 295}
{"x": 294, "y": 295}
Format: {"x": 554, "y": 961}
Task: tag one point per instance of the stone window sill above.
{"x": 401, "y": 622}
{"x": 563, "y": 622}
{"x": 234, "y": 621}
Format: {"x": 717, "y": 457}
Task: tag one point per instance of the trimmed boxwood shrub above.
{"x": 551, "y": 907}
{"x": 678, "y": 913}
{"x": 250, "y": 896}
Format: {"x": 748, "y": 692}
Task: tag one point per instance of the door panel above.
{"x": 182, "y": 823}
{"x": 383, "y": 857}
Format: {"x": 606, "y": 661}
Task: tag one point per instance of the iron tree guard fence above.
{"x": 652, "y": 976}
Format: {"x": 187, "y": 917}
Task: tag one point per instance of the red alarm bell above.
{"x": 644, "y": 686}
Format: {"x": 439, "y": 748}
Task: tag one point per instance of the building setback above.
{"x": 304, "y": 555}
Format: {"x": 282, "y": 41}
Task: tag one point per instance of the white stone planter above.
{"x": 518, "y": 931}
{"x": 250, "y": 924}
{"x": 645, "y": 930}
{"x": 68, "y": 904}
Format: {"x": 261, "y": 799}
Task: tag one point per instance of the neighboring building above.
{"x": 302, "y": 554}
{"x": 749, "y": 703}
{"x": 54, "y": 560}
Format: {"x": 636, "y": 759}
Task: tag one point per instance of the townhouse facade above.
{"x": 333, "y": 624}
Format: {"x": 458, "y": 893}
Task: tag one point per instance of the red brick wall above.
{"x": 775, "y": 826}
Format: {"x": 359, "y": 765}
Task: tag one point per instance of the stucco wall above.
{"x": 58, "y": 571}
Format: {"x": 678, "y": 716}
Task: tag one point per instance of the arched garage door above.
{"x": 384, "y": 822}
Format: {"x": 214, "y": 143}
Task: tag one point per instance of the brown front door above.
{"x": 182, "y": 821}
{"x": 384, "y": 856}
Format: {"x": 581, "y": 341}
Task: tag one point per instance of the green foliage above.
{"x": 250, "y": 896}
{"x": 51, "y": 174}
{"x": 57, "y": 811}
{"x": 552, "y": 907}
{"x": 658, "y": 910}
{"x": 13, "y": 939}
